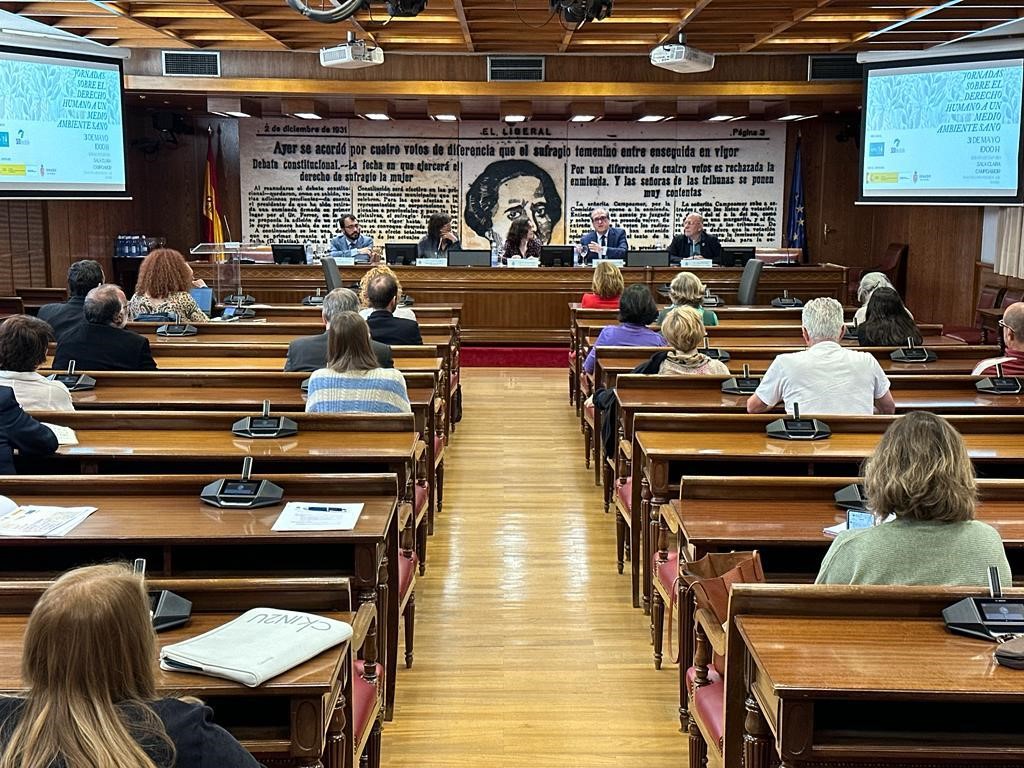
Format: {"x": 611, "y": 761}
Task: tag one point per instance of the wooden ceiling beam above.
{"x": 798, "y": 16}
{"x": 688, "y": 16}
{"x": 116, "y": 9}
{"x": 251, "y": 25}
{"x": 460, "y": 13}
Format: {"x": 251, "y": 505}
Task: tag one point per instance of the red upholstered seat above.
{"x": 625, "y": 492}
{"x": 709, "y": 703}
{"x": 406, "y": 570}
{"x": 422, "y": 495}
{"x": 667, "y": 571}
{"x": 363, "y": 697}
{"x": 691, "y": 675}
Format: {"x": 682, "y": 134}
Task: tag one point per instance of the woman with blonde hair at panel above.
{"x": 89, "y": 664}
{"x": 686, "y": 290}
{"x": 921, "y": 476}
{"x": 364, "y": 283}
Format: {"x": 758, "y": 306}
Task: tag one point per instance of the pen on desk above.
{"x": 326, "y": 509}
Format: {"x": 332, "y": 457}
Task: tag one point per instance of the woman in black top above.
{"x": 521, "y": 242}
{"x": 89, "y": 662}
{"x": 440, "y": 238}
{"x": 888, "y": 323}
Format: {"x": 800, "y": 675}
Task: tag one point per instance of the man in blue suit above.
{"x": 351, "y": 242}
{"x": 603, "y": 241}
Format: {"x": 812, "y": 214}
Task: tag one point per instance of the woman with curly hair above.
{"x": 163, "y": 286}
{"x": 372, "y": 272}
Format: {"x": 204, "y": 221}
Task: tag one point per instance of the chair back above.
{"x": 331, "y": 274}
{"x": 11, "y": 305}
{"x": 1011, "y": 296}
{"x": 746, "y": 295}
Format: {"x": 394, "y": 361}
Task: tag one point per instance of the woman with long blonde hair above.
{"x": 89, "y": 664}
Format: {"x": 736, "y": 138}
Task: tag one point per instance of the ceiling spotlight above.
{"x": 406, "y": 7}
{"x": 579, "y": 11}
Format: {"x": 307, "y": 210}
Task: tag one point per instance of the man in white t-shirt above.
{"x": 825, "y": 378}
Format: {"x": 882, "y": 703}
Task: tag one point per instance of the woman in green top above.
{"x": 686, "y": 290}
{"x": 922, "y": 476}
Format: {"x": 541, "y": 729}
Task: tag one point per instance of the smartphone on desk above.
{"x": 859, "y": 518}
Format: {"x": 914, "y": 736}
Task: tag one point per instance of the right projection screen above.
{"x": 942, "y": 132}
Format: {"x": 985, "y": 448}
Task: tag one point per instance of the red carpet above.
{"x": 514, "y": 357}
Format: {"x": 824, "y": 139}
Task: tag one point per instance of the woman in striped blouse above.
{"x": 353, "y": 381}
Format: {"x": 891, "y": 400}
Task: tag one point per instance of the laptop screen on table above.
{"x": 204, "y": 298}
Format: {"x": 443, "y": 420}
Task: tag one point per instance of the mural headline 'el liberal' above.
{"x": 299, "y": 177}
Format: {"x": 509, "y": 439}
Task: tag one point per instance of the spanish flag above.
{"x": 213, "y": 230}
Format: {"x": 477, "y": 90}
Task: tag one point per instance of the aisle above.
{"x": 527, "y": 650}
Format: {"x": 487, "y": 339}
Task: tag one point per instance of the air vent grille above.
{"x": 520, "y": 69}
{"x": 191, "y": 63}
{"x": 838, "y": 67}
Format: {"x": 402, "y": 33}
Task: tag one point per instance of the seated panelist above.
{"x": 83, "y": 276}
{"x": 89, "y": 664}
{"x": 604, "y": 241}
{"x": 165, "y": 279}
{"x": 522, "y": 242}
{"x": 825, "y": 378}
{"x": 439, "y": 238}
{"x": 694, "y": 243}
{"x": 23, "y": 346}
{"x": 310, "y": 352}
{"x": 351, "y": 243}
{"x": 102, "y": 343}
{"x": 353, "y": 381}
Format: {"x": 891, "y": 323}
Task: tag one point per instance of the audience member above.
{"x": 102, "y": 343}
{"x": 364, "y": 302}
{"x": 869, "y": 283}
{"x": 83, "y": 276}
{"x": 921, "y": 475}
{"x": 310, "y": 352}
{"x": 1012, "y": 324}
{"x": 686, "y": 290}
{"x": 887, "y": 323}
{"x": 163, "y": 286}
{"x": 89, "y": 662}
{"x": 353, "y": 381}
{"x": 606, "y": 288}
{"x": 21, "y": 431}
{"x": 825, "y": 378}
{"x": 439, "y": 238}
{"x": 522, "y": 242}
{"x": 23, "y": 348}
{"x": 382, "y": 295}
{"x": 684, "y": 332}
{"x": 637, "y": 310}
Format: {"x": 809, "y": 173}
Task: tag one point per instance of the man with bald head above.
{"x": 604, "y": 241}
{"x": 1012, "y": 326}
{"x": 310, "y": 352}
{"x": 694, "y": 243}
{"x": 102, "y": 343}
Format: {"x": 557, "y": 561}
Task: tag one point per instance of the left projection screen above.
{"x": 61, "y": 126}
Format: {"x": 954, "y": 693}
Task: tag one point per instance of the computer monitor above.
{"x": 331, "y": 274}
{"x": 647, "y": 258}
{"x": 289, "y": 253}
{"x": 400, "y": 253}
{"x": 204, "y": 299}
{"x": 469, "y": 258}
{"x": 557, "y": 255}
{"x": 736, "y": 255}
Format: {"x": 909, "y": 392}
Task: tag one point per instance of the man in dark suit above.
{"x": 694, "y": 243}
{"x": 102, "y": 343}
{"x": 83, "y": 276}
{"x": 382, "y": 295}
{"x": 21, "y": 431}
{"x": 310, "y": 352}
{"x": 603, "y": 241}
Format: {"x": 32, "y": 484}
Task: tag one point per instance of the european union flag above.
{"x": 796, "y": 232}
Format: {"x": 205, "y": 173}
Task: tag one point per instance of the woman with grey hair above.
{"x": 870, "y": 283}
{"x": 686, "y": 290}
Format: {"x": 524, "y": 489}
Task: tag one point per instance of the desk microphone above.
{"x": 177, "y": 328}
{"x": 796, "y": 428}
{"x": 786, "y": 301}
{"x": 741, "y": 385}
{"x": 243, "y": 493}
{"x": 709, "y": 299}
{"x": 75, "y": 382}
{"x": 912, "y": 354}
{"x": 167, "y": 610}
{"x": 265, "y": 425}
{"x": 990, "y": 385}
{"x": 714, "y": 353}
{"x": 315, "y": 300}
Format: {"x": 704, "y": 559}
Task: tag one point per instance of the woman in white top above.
{"x": 367, "y": 310}
{"x": 23, "y": 347}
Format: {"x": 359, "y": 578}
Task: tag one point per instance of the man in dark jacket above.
{"x": 83, "y": 276}
{"x": 102, "y": 343}
{"x": 310, "y": 352}
{"x": 382, "y": 296}
{"x": 21, "y": 431}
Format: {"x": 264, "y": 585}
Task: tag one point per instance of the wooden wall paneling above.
{"x": 58, "y": 241}
{"x": 848, "y": 241}
{"x": 38, "y": 266}
{"x": 19, "y": 232}
{"x": 6, "y": 275}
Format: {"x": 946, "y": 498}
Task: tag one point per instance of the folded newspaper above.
{"x": 258, "y": 645}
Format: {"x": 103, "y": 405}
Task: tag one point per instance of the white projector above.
{"x": 354, "y": 55}
{"x": 681, "y": 58}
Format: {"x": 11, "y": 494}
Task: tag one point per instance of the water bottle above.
{"x": 309, "y": 252}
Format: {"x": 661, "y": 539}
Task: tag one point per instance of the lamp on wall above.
{"x": 516, "y": 111}
{"x": 373, "y": 109}
{"x": 304, "y": 109}
{"x": 444, "y": 111}
{"x": 583, "y": 112}
{"x": 231, "y": 106}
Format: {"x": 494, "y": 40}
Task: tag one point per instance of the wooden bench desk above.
{"x": 248, "y": 332}
{"x": 274, "y": 721}
{"x": 162, "y": 519}
{"x": 833, "y": 676}
{"x": 667, "y": 446}
{"x": 284, "y": 313}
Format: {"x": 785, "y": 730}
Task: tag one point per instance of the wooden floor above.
{"x": 527, "y": 650}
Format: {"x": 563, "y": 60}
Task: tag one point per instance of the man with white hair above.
{"x": 604, "y": 241}
{"x": 825, "y": 378}
{"x": 310, "y": 352}
{"x": 694, "y": 243}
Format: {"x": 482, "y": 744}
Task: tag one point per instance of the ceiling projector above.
{"x": 682, "y": 58}
{"x": 354, "y": 54}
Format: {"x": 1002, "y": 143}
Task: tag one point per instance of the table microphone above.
{"x": 993, "y": 385}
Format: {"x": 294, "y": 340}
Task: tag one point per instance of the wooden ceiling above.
{"x": 528, "y": 26}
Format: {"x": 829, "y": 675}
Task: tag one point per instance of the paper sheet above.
{"x": 30, "y": 520}
{"x": 317, "y": 516}
{"x": 65, "y": 435}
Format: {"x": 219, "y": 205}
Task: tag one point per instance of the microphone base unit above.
{"x": 915, "y": 355}
{"x": 265, "y": 427}
{"x": 851, "y": 497}
{"x": 75, "y": 382}
{"x": 177, "y": 329}
{"x": 740, "y": 385}
{"x": 1000, "y": 385}
{"x": 241, "y": 494}
{"x": 798, "y": 429}
{"x": 313, "y": 301}
{"x": 781, "y": 303}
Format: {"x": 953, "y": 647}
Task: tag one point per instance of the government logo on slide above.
{"x": 876, "y": 149}
{"x": 5, "y": 139}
